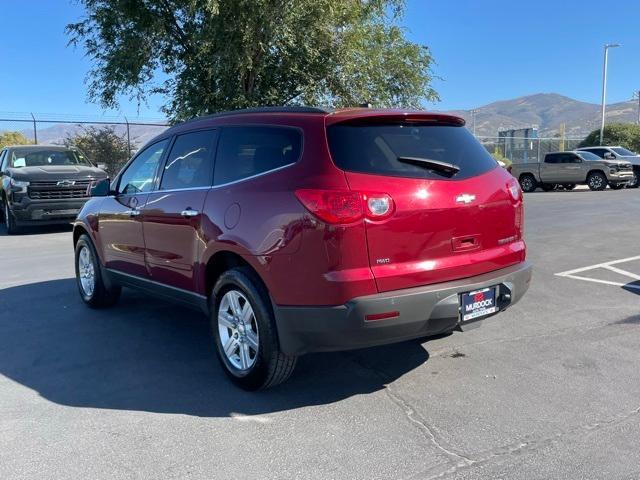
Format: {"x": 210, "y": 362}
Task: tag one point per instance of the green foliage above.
{"x": 13, "y": 138}
{"x": 213, "y": 55}
{"x": 102, "y": 146}
{"x": 626, "y": 135}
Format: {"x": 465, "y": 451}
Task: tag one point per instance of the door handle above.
{"x": 188, "y": 213}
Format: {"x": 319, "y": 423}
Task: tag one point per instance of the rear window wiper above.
{"x": 437, "y": 165}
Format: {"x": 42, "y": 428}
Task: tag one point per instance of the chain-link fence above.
{"x": 56, "y": 129}
{"x": 527, "y": 150}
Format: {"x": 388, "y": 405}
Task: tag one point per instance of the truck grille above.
{"x": 59, "y": 189}
{"x": 624, "y": 167}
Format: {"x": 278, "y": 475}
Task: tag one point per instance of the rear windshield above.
{"x": 43, "y": 158}
{"x": 375, "y": 149}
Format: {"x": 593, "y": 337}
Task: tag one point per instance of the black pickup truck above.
{"x": 43, "y": 184}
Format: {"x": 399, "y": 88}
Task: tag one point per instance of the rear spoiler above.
{"x": 368, "y": 116}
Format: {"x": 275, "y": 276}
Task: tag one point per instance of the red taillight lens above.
{"x": 346, "y": 206}
{"x": 516, "y": 195}
{"x": 514, "y": 190}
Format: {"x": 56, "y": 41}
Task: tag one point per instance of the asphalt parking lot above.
{"x": 548, "y": 389}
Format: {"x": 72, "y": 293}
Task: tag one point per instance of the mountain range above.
{"x": 547, "y": 111}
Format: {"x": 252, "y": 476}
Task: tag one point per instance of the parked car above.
{"x": 618, "y": 153}
{"x": 303, "y": 230}
{"x": 568, "y": 169}
{"x": 41, "y": 184}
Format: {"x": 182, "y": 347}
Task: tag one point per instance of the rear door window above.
{"x": 375, "y": 149}
{"x": 245, "y": 152}
{"x": 552, "y": 159}
{"x": 190, "y": 162}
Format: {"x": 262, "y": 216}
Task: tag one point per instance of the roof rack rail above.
{"x": 276, "y": 109}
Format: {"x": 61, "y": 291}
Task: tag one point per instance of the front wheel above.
{"x": 94, "y": 291}
{"x": 597, "y": 181}
{"x": 244, "y": 331}
{"x": 9, "y": 219}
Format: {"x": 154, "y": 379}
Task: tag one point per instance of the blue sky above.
{"x": 484, "y": 50}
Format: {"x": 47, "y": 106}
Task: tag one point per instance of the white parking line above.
{"x": 608, "y": 266}
{"x": 598, "y": 265}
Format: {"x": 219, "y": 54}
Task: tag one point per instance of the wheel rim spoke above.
{"x": 252, "y": 340}
{"x": 230, "y": 346}
{"x": 224, "y": 318}
{"x": 244, "y": 355}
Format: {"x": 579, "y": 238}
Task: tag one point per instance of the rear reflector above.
{"x": 381, "y": 316}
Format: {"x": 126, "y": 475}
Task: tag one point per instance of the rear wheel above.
{"x": 597, "y": 181}
{"x": 94, "y": 291}
{"x": 528, "y": 183}
{"x": 244, "y": 331}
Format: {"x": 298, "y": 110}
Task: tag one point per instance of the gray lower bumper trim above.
{"x": 427, "y": 310}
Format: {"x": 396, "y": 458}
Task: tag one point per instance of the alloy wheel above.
{"x": 238, "y": 330}
{"x": 86, "y": 272}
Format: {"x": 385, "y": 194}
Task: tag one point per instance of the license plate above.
{"x": 478, "y": 304}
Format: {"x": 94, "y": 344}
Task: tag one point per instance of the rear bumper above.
{"x": 424, "y": 311}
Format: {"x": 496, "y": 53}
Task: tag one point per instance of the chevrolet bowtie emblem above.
{"x": 465, "y": 198}
{"x": 66, "y": 183}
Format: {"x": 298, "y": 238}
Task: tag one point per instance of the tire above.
{"x": 617, "y": 186}
{"x": 528, "y": 183}
{"x": 548, "y": 187}
{"x": 636, "y": 176}
{"x": 101, "y": 294}
{"x": 569, "y": 186}
{"x": 597, "y": 181}
{"x": 10, "y": 220}
{"x": 254, "y": 338}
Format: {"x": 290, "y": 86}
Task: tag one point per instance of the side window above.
{"x": 190, "y": 162}
{"x": 247, "y": 151}
{"x": 598, "y": 151}
{"x": 139, "y": 175}
{"x": 551, "y": 159}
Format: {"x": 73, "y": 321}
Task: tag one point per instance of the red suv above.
{"x": 301, "y": 230}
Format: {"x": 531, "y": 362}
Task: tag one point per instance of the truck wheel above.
{"x": 93, "y": 289}
{"x": 244, "y": 331}
{"x": 597, "y": 181}
{"x": 528, "y": 183}
{"x": 548, "y": 187}
{"x": 10, "y": 220}
{"x": 634, "y": 183}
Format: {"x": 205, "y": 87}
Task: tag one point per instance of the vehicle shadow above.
{"x": 149, "y": 355}
{"x": 37, "y": 230}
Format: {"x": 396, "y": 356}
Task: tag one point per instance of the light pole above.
{"x": 473, "y": 117}
{"x": 604, "y": 84}
{"x": 637, "y": 95}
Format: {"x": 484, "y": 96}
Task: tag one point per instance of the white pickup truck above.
{"x": 568, "y": 169}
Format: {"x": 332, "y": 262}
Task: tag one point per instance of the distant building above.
{"x": 519, "y": 145}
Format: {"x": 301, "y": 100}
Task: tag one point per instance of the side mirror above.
{"x": 101, "y": 189}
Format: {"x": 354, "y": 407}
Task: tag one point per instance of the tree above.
{"x": 13, "y": 138}
{"x": 213, "y": 55}
{"x": 626, "y": 135}
{"x": 102, "y": 146}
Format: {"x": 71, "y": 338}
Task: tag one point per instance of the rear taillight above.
{"x": 516, "y": 195}
{"x": 341, "y": 207}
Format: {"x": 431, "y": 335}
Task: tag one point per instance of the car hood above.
{"x": 56, "y": 172}
{"x": 634, "y": 159}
